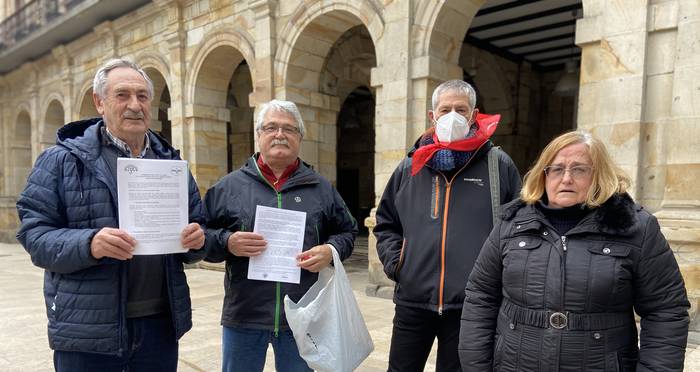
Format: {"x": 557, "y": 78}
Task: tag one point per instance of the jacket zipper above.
{"x": 563, "y": 271}
{"x": 443, "y": 253}
{"x": 448, "y": 187}
{"x": 278, "y": 287}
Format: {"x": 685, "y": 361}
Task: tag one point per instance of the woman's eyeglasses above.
{"x": 576, "y": 172}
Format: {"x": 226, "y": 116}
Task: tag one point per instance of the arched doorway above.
{"x": 328, "y": 75}
{"x": 160, "y": 104}
{"x": 355, "y": 167}
{"x": 515, "y": 53}
{"x": 21, "y": 152}
{"x": 53, "y": 121}
{"x": 223, "y": 119}
{"x": 87, "y": 107}
{"x": 239, "y": 128}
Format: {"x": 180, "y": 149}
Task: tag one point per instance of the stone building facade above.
{"x": 362, "y": 73}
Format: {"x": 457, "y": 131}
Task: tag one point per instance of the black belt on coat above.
{"x": 564, "y": 319}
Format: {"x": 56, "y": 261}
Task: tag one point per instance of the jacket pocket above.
{"x": 611, "y": 274}
{"x": 497, "y": 352}
{"x": 401, "y": 258}
{"x": 611, "y": 362}
{"x": 627, "y": 360}
{"x": 517, "y": 254}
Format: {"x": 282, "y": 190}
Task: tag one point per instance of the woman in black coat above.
{"x": 557, "y": 283}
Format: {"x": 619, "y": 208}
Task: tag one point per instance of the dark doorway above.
{"x": 355, "y": 163}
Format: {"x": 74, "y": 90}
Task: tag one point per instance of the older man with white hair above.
{"x": 108, "y": 309}
{"x": 253, "y": 313}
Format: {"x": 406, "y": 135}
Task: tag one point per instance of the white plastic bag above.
{"x": 327, "y": 324}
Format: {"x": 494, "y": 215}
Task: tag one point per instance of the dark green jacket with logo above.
{"x": 230, "y": 206}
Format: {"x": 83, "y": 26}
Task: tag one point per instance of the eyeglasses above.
{"x": 286, "y": 129}
{"x": 577, "y": 172}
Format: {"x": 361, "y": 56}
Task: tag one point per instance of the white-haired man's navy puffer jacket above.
{"x": 70, "y": 195}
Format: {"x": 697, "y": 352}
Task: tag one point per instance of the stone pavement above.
{"x": 24, "y": 345}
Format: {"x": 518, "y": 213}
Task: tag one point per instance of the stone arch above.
{"x": 236, "y": 39}
{"x": 326, "y": 69}
{"x": 154, "y": 61}
{"x": 214, "y": 105}
{"x": 160, "y": 103}
{"x": 302, "y": 72}
{"x": 446, "y": 22}
{"x": 86, "y": 107}
{"x": 20, "y": 150}
{"x": 54, "y": 118}
{"x": 333, "y": 19}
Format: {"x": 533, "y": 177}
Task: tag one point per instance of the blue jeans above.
{"x": 151, "y": 347}
{"x": 244, "y": 350}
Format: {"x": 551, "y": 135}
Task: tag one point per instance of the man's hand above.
{"x": 110, "y": 242}
{"x": 315, "y": 258}
{"x": 246, "y": 244}
{"x": 192, "y": 236}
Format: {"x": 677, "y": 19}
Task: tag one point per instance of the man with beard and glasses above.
{"x": 108, "y": 309}
{"x": 436, "y": 212}
{"x": 253, "y": 313}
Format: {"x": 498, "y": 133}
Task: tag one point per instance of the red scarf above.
{"x": 270, "y": 175}
{"x": 487, "y": 126}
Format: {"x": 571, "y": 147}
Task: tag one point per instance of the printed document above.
{"x": 284, "y": 232}
{"x": 153, "y": 203}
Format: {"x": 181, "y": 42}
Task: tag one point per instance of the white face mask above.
{"x": 451, "y": 127}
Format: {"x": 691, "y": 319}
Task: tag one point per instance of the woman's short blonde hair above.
{"x": 608, "y": 178}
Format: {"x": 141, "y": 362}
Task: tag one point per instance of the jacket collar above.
{"x": 83, "y": 139}
{"x": 304, "y": 174}
{"x": 617, "y": 216}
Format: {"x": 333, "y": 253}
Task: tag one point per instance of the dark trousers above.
{"x": 151, "y": 347}
{"x": 413, "y": 335}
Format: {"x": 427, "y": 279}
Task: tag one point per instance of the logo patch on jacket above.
{"x": 476, "y": 181}
{"x": 297, "y": 199}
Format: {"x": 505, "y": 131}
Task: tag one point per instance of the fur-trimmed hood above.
{"x": 618, "y": 215}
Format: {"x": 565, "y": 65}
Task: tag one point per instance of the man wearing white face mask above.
{"x": 435, "y": 214}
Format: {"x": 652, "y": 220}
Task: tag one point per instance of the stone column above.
{"x": 264, "y": 51}
{"x": 65, "y": 62}
{"x": 679, "y": 97}
{"x": 404, "y": 91}
{"x": 8, "y": 212}
{"x": 613, "y": 40}
{"x": 391, "y": 80}
{"x": 110, "y": 44}
{"x": 4, "y": 123}
{"x": 177, "y": 40}
{"x": 206, "y": 132}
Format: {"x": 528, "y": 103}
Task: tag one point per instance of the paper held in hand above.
{"x": 283, "y": 230}
{"x": 153, "y": 203}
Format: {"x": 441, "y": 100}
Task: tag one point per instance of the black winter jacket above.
{"x": 230, "y": 207}
{"x": 537, "y": 301}
{"x": 69, "y": 197}
{"x": 430, "y": 229}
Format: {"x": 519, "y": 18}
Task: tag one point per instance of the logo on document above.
{"x": 176, "y": 170}
{"x": 131, "y": 169}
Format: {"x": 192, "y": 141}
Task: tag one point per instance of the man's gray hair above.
{"x": 99, "y": 83}
{"x": 279, "y": 105}
{"x": 455, "y": 85}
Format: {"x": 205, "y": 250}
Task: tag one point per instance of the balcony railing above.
{"x": 30, "y": 18}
